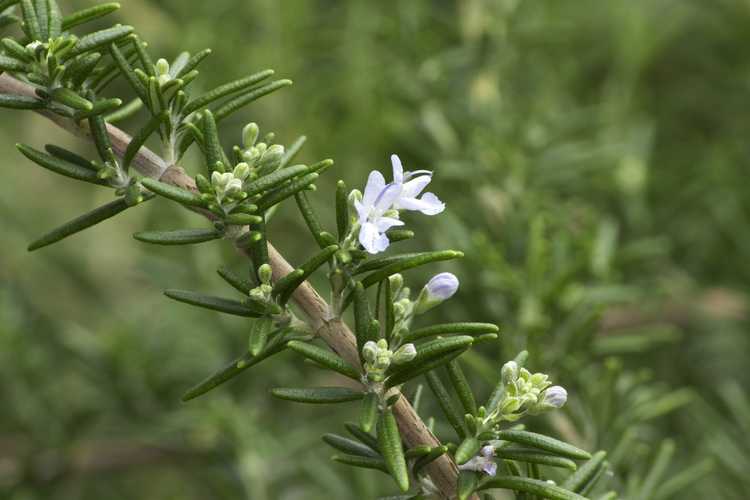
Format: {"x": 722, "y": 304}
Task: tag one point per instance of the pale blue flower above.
{"x": 378, "y": 209}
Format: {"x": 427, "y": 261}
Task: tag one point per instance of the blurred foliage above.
{"x": 593, "y": 158}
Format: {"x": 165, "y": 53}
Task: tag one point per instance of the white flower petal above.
{"x": 371, "y": 239}
{"x": 428, "y": 204}
{"x": 385, "y": 223}
{"x": 414, "y": 187}
{"x": 387, "y": 198}
{"x": 398, "y": 169}
{"x": 375, "y": 185}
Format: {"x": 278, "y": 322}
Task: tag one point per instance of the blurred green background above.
{"x": 594, "y": 159}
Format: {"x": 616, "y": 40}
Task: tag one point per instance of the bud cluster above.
{"x": 263, "y": 291}
{"x": 526, "y": 393}
{"x": 261, "y": 157}
{"x": 378, "y": 358}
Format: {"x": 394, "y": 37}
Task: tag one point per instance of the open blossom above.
{"x": 483, "y": 462}
{"x": 378, "y": 209}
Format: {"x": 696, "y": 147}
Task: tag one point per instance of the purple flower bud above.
{"x": 442, "y": 286}
{"x": 555, "y": 396}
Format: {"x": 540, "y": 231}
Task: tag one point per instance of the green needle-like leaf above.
{"x": 274, "y": 179}
{"x": 461, "y": 386}
{"x": 219, "y": 304}
{"x": 527, "y": 485}
{"x": 280, "y": 194}
{"x": 369, "y": 414}
{"x": 389, "y": 441}
{"x": 342, "y": 210}
{"x": 54, "y": 19}
{"x": 233, "y": 369}
{"x": 13, "y": 65}
{"x": 362, "y": 462}
{"x": 80, "y": 223}
{"x": 363, "y": 436}
{"x": 535, "y": 457}
{"x": 409, "y": 263}
{"x": 86, "y": 15}
{"x": 227, "y": 89}
{"x": 474, "y": 329}
{"x": 545, "y": 443}
{"x": 292, "y": 151}
{"x": 70, "y": 98}
{"x": 239, "y": 283}
{"x": 310, "y": 218}
{"x": 20, "y": 102}
{"x": 585, "y": 473}
{"x": 139, "y": 139}
{"x": 100, "y": 39}
{"x": 30, "y": 21}
{"x": 324, "y": 357}
{"x": 318, "y": 395}
{"x": 414, "y": 370}
{"x": 59, "y": 166}
{"x": 178, "y": 237}
{"x": 446, "y": 404}
{"x": 286, "y": 286}
{"x": 69, "y": 156}
{"x": 173, "y": 193}
{"x": 469, "y": 447}
{"x": 349, "y": 446}
{"x": 239, "y": 102}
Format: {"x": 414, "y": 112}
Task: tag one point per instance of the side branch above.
{"x": 335, "y": 333}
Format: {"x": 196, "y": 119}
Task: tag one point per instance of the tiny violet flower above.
{"x": 376, "y": 201}
{"x": 440, "y": 288}
{"x": 483, "y": 462}
{"x": 413, "y": 183}
{"x": 378, "y": 209}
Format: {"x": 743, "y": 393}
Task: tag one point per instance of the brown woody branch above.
{"x": 334, "y": 332}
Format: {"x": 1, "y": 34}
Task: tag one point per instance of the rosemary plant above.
{"x": 364, "y": 332}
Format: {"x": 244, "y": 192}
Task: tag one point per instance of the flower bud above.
{"x": 355, "y": 195}
{"x": 241, "y": 171}
{"x": 509, "y": 372}
{"x": 271, "y": 159}
{"x": 441, "y": 287}
{"x": 555, "y": 396}
{"x": 250, "y": 135}
{"x": 234, "y": 186}
{"x": 162, "y": 67}
{"x": 370, "y": 351}
{"x": 264, "y": 273}
{"x": 404, "y": 354}
{"x": 397, "y": 281}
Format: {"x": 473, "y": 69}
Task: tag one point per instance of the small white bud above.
{"x": 234, "y": 186}
{"x": 509, "y": 372}
{"x": 264, "y": 273}
{"x": 397, "y": 281}
{"x": 241, "y": 171}
{"x": 250, "y": 134}
{"x": 404, "y": 354}
{"x": 162, "y": 67}
{"x": 370, "y": 351}
{"x": 355, "y": 195}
